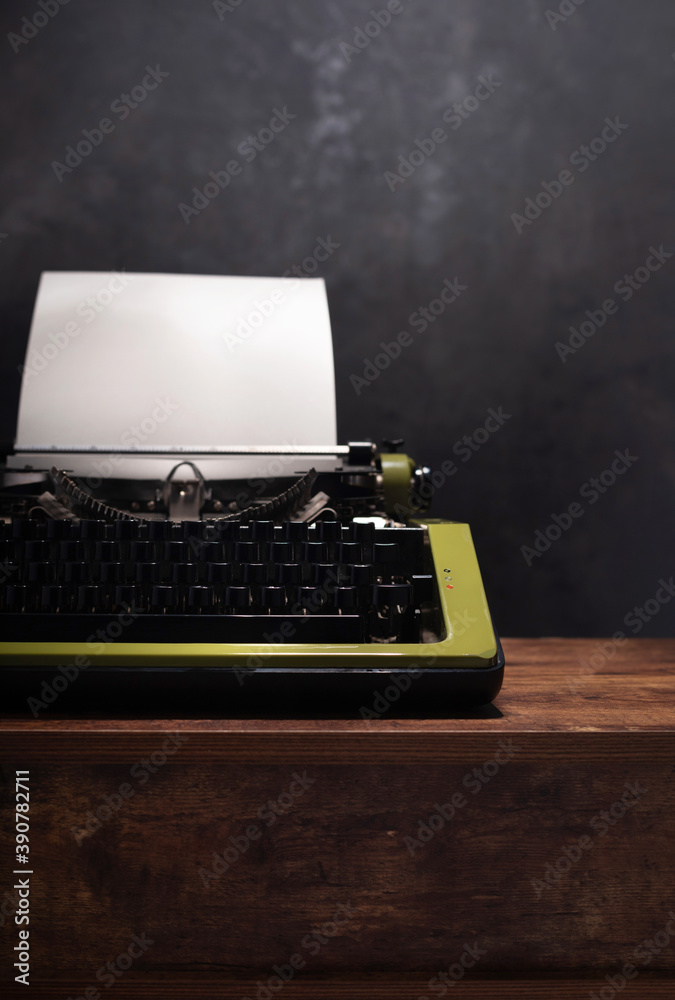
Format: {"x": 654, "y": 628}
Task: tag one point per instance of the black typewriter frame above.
{"x": 205, "y": 692}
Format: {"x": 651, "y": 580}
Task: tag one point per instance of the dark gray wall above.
{"x": 324, "y": 176}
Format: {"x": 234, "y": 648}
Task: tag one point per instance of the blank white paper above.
{"x": 177, "y": 360}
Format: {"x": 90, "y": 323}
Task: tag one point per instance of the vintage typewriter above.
{"x": 219, "y": 577}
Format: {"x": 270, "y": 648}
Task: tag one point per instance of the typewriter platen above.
{"x": 314, "y": 584}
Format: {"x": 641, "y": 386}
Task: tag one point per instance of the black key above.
{"x": 219, "y": 573}
{"x": 361, "y": 574}
{"x": 107, "y": 552}
{"x": 9, "y": 571}
{"x": 281, "y": 552}
{"x": 91, "y": 530}
{"x": 141, "y": 551}
{"x": 126, "y": 595}
{"x": 193, "y": 529}
{"x": 262, "y": 531}
{"x": 88, "y": 598}
{"x": 227, "y": 531}
{"x": 126, "y": 531}
{"x": 237, "y": 598}
{"x": 329, "y": 531}
{"x": 147, "y": 572}
{"x": 18, "y": 596}
{"x": 255, "y": 573}
{"x": 246, "y": 552}
{"x": 112, "y": 572}
{"x": 72, "y": 551}
{"x": 289, "y": 573}
{"x": 324, "y": 574}
{"x": 185, "y": 573}
{"x": 312, "y": 598}
{"x": 210, "y": 530}
{"x": 349, "y": 553}
{"x": 175, "y": 552}
{"x": 391, "y": 595}
{"x": 163, "y": 599}
{"x": 346, "y": 598}
{"x": 295, "y": 531}
{"x": 392, "y": 616}
{"x": 199, "y": 599}
{"x": 110, "y": 575}
{"x": 195, "y": 548}
{"x": 385, "y": 553}
{"x": 159, "y": 531}
{"x": 40, "y": 572}
{"x": 37, "y": 551}
{"x": 364, "y": 533}
{"x": 75, "y": 572}
{"x": 316, "y": 552}
{"x": 28, "y": 528}
{"x": 60, "y": 530}
{"x": 53, "y": 598}
{"x": 273, "y": 598}
{"x": 212, "y": 552}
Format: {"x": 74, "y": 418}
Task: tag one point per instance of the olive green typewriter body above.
{"x": 321, "y": 586}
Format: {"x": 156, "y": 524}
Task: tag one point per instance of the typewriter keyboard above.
{"x": 220, "y": 581}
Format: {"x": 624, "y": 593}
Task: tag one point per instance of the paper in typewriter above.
{"x": 163, "y": 361}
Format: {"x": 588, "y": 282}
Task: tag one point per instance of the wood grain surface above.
{"x": 130, "y": 828}
{"x": 647, "y": 987}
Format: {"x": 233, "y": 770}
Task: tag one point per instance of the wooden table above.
{"x": 362, "y": 857}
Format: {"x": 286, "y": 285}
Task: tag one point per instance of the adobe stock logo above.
{"x": 221, "y": 8}
{"x": 581, "y": 159}
{"x": 249, "y": 149}
{"x": 31, "y": 26}
{"x": 591, "y": 491}
{"x": 122, "y": 106}
{"x": 419, "y": 320}
{"x": 371, "y": 29}
{"x": 625, "y": 287}
{"x": 565, "y": 11}
{"x": 455, "y": 116}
